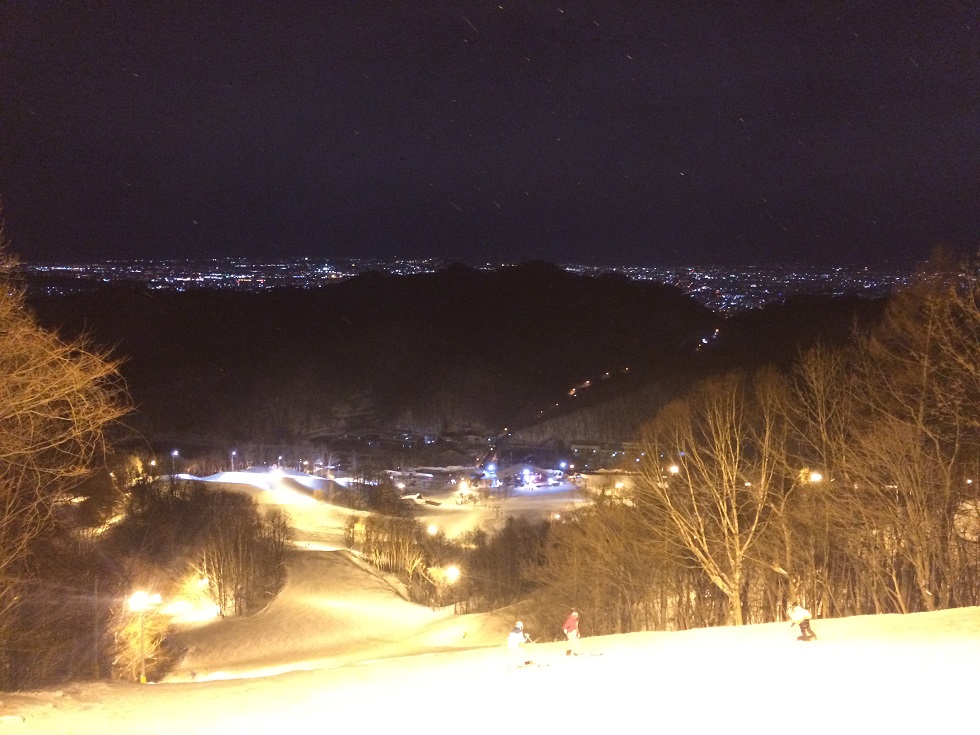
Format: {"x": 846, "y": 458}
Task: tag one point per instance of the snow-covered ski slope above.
{"x": 341, "y": 648}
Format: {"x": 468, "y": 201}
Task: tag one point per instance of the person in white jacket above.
{"x": 800, "y": 616}
{"x": 515, "y": 643}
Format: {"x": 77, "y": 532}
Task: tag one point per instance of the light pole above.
{"x": 138, "y": 603}
{"x": 173, "y": 462}
{"x": 233, "y": 453}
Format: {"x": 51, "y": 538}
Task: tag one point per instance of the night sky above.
{"x": 639, "y": 133}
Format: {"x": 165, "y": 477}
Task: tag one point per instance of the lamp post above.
{"x": 138, "y": 603}
{"x": 233, "y": 453}
{"x": 173, "y": 462}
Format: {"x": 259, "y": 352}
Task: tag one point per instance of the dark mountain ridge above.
{"x": 452, "y": 351}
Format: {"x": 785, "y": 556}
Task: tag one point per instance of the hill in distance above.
{"x": 460, "y": 349}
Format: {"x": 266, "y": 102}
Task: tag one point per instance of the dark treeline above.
{"x": 457, "y": 350}
{"x": 845, "y": 478}
{"x": 73, "y": 620}
{"x": 772, "y": 336}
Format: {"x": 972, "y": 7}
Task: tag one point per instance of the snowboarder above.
{"x": 800, "y": 616}
{"x": 571, "y": 633}
{"x": 515, "y": 641}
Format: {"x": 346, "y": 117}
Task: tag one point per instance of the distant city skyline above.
{"x": 719, "y": 288}
{"x": 597, "y": 132}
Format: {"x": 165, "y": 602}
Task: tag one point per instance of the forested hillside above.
{"x": 529, "y": 346}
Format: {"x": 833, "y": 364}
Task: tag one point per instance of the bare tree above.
{"x": 814, "y": 528}
{"x": 243, "y": 551}
{"x": 892, "y": 425}
{"x": 56, "y": 399}
{"x": 918, "y": 443}
{"x": 714, "y": 464}
{"x": 600, "y": 558}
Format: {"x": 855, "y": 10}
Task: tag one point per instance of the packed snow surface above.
{"x": 341, "y": 648}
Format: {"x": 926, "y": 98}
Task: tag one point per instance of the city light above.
{"x": 717, "y": 288}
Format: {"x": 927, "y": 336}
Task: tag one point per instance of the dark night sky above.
{"x": 643, "y": 133}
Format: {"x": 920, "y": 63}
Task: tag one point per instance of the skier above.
{"x": 800, "y": 616}
{"x": 515, "y": 641}
{"x": 571, "y": 633}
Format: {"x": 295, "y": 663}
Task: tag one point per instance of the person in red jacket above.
{"x": 571, "y": 633}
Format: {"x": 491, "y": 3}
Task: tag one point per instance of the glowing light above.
{"x": 673, "y": 469}
{"x": 186, "y": 611}
{"x": 452, "y": 574}
{"x": 140, "y": 601}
